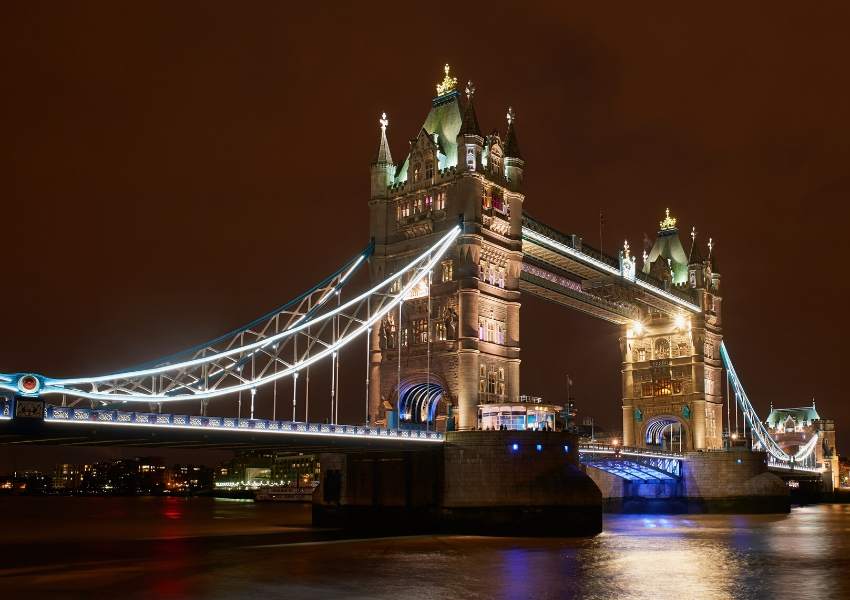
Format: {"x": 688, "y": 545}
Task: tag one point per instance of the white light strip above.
{"x": 563, "y": 248}
{"x": 264, "y": 342}
{"x": 359, "y": 436}
{"x": 656, "y": 290}
{"x": 577, "y": 254}
{"x": 437, "y": 254}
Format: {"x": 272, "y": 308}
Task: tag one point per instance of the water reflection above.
{"x": 139, "y": 547}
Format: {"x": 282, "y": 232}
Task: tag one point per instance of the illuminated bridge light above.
{"x": 539, "y": 447}
{"x": 514, "y": 447}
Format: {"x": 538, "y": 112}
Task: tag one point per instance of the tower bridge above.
{"x": 453, "y": 251}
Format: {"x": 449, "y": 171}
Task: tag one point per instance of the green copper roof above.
{"x": 800, "y": 415}
{"x": 669, "y": 247}
{"x": 445, "y": 120}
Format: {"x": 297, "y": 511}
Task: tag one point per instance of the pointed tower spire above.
{"x": 469, "y": 125}
{"x": 511, "y": 143}
{"x": 384, "y": 157}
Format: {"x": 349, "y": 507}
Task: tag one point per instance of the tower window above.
{"x": 429, "y": 170}
{"x": 470, "y": 158}
{"x": 441, "y": 201}
{"x": 446, "y": 270}
{"x": 440, "y": 331}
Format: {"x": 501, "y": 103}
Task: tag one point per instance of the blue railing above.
{"x": 62, "y": 414}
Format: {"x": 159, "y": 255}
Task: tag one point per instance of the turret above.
{"x": 696, "y": 264}
{"x": 470, "y": 142}
{"x": 513, "y": 157}
{"x": 382, "y": 167}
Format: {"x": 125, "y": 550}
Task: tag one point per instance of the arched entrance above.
{"x": 418, "y": 401}
{"x": 666, "y": 433}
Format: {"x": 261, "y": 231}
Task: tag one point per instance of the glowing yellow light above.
{"x": 637, "y": 328}
{"x": 679, "y": 321}
{"x": 734, "y": 436}
{"x": 615, "y": 442}
{"x": 668, "y": 222}
{"x": 448, "y": 83}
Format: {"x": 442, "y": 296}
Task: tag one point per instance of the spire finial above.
{"x": 626, "y": 250}
{"x": 645, "y": 256}
{"x": 470, "y": 89}
{"x": 710, "y": 246}
{"x": 669, "y": 222}
{"x": 384, "y": 121}
{"x": 511, "y": 116}
{"x": 448, "y": 83}
{"x": 693, "y": 234}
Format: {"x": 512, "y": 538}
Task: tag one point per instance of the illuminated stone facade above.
{"x": 464, "y": 351}
{"x": 672, "y": 370}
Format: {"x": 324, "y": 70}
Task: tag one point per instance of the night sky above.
{"x": 172, "y": 170}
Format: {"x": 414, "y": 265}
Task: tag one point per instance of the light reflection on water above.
{"x": 222, "y": 550}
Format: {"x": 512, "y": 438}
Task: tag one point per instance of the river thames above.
{"x": 212, "y": 548}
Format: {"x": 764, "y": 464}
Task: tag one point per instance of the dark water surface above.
{"x": 170, "y": 547}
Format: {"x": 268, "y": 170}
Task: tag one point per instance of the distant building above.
{"x": 792, "y": 428}
{"x": 255, "y": 469}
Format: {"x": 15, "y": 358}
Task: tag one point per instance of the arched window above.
{"x": 662, "y": 348}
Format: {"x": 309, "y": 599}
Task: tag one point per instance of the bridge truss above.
{"x": 313, "y": 327}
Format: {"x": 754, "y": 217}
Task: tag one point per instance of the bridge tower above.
{"x": 672, "y": 370}
{"x": 453, "y": 347}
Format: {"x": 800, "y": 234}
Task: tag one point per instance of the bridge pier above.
{"x": 483, "y": 482}
{"x": 736, "y": 481}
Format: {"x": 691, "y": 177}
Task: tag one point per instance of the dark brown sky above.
{"x": 171, "y": 170}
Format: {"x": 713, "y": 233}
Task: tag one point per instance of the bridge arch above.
{"x": 668, "y": 431}
{"x": 418, "y": 398}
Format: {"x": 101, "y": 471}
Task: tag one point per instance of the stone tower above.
{"x": 455, "y": 346}
{"x": 672, "y": 370}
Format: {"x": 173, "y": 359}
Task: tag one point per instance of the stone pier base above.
{"x": 482, "y": 482}
{"x": 736, "y": 481}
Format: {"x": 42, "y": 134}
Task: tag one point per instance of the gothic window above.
{"x": 482, "y": 370}
{"x": 446, "y": 270}
{"x": 662, "y": 348}
{"x": 396, "y": 287}
{"x": 420, "y": 331}
{"x": 642, "y": 354}
{"x": 482, "y": 386}
{"x": 491, "y": 274}
{"x": 440, "y": 331}
{"x": 429, "y": 201}
{"x": 404, "y": 337}
{"x": 482, "y": 270}
{"x": 491, "y": 382}
{"x": 501, "y": 389}
{"x": 486, "y": 201}
{"x": 429, "y": 170}
{"x": 498, "y": 203}
{"x": 441, "y": 201}
{"x": 470, "y": 158}
{"x": 416, "y": 174}
{"x": 491, "y": 330}
{"x": 501, "y": 374}
{"x": 684, "y": 349}
{"x": 501, "y": 279}
{"x": 417, "y": 207}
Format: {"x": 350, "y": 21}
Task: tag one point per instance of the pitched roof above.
{"x": 511, "y": 143}
{"x": 800, "y": 415}
{"x": 383, "y": 157}
{"x": 469, "y": 125}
